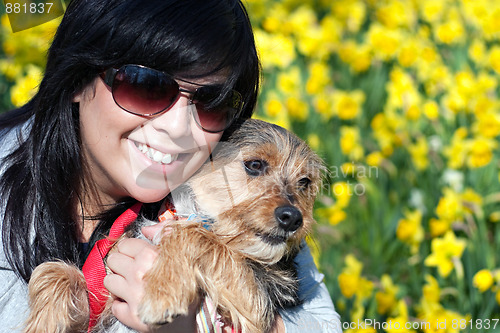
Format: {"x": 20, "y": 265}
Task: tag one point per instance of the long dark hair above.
{"x": 44, "y": 174}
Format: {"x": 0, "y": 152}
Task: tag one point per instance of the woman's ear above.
{"x": 80, "y": 95}
{"x": 77, "y": 98}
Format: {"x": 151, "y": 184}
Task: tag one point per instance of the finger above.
{"x": 151, "y": 231}
{"x": 118, "y": 263}
{"x": 116, "y": 285}
{"x": 123, "y": 312}
{"x": 132, "y": 246}
{"x": 155, "y": 232}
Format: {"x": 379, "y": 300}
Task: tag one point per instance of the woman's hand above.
{"x": 132, "y": 260}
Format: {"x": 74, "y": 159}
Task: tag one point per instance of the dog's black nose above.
{"x": 289, "y": 218}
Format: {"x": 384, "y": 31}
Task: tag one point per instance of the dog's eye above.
{"x": 255, "y": 167}
{"x": 304, "y": 183}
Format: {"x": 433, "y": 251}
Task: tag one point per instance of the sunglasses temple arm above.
{"x": 109, "y": 75}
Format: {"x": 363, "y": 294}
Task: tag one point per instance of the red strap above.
{"x": 94, "y": 270}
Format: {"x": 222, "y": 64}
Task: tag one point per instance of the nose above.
{"x": 176, "y": 121}
{"x": 289, "y": 218}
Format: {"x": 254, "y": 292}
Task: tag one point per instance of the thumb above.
{"x": 154, "y": 232}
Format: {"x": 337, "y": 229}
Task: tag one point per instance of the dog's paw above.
{"x": 156, "y": 313}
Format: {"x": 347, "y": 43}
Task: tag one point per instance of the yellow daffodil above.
{"x": 362, "y": 59}
{"x": 439, "y": 227}
{"x": 26, "y": 87}
{"x": 385, "y": 42}
{"x": 10, "y": 69}
{"x": 471, "y": 200}
{"x": 319, "y": 77}
{"x": 432, "y": 10}
{"x": 349, "y": 279}
{"x": 289, "y": 81}
{"x": 410, "y": 229}
{"x": 431, "y": 291}
{"x": 431, "y": 110}
{"x": 323, "y": 104}
{"x": 275, "y": 50}
{"x": 348, "y": 168}
{"x": 408, "y": 53}
{"x": 273, "y": 107}
{"x": 343, "y": 193}
{"x": 347, "y": 105}
{"x": 494, "y": 58}
{"x": 297, "y": 108}
{"x": 445, "y": 251}
{"x": 487, "y": 125}
{"x": 352, "y": 283}
{"x": 451, "y": 31}
{"x": 457, "y": 151}
{"x": 477, "y": 52}
{"x": 386, "y": 297}
{"x": 450, "y": 207}
{"x": 483, "y": 280}
{"x": 273, "y": 22}
{"x": 336, "y": 214}
{"x": 358, "y": 56}
{"x": 375, "y": 158}
{"x": 351, "y": 13}
{"x": 401, "y": 322}
{"x": 350, "y": 142}
{"x": 480, "y": 151}
{"x": 314, "y": 141}
{"x": 419, "y": 153}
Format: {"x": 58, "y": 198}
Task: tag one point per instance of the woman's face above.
{"x": 140, "y": 157}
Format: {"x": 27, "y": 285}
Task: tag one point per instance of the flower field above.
{"x": 401, "y": 99}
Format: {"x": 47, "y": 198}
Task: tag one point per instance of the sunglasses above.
{"x": 148, "y": 92}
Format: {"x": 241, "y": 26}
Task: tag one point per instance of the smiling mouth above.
{"x": 155, "y": 155}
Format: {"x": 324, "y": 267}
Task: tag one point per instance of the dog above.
{"x": 253, "y": 207}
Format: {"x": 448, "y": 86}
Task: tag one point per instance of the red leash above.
{"x": 94, "y": 270}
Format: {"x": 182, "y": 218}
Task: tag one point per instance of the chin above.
{"x": 147, "y": 195}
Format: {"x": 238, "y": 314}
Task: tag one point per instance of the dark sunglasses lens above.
{"x": 213, "y": 115}
{"x": 143, "y": 90}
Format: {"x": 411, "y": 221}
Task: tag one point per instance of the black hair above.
{"x": 44, "y": 177}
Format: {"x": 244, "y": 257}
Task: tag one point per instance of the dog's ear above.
{"x": 224, "y": 154}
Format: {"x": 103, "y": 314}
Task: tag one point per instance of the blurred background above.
{"x": 401, "y": 100}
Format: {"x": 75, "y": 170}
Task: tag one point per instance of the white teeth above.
{"x": 167, "y": 159}
{"x": 151, "y": 153}
{"x": 156, "y": 155}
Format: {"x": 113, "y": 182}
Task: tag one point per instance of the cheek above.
{"x": 204, "y": 139}
{"x": 102, "y": 122}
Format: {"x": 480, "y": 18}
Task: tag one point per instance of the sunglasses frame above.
{"x": 108, "y": 76}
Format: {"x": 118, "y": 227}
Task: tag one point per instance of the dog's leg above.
{"x": 58, "y": 299}
{"x": 193, "y": 262}
{"x": 170, "y": 285}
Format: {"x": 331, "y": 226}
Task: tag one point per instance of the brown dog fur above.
{"x": 236, "y": 252}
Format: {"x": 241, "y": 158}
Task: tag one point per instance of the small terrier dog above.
{"x": 253, "y": 202}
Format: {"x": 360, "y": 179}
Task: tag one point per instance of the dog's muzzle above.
{"x": 289, "y": 218}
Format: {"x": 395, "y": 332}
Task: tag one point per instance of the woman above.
{"x": 170, "y": 76}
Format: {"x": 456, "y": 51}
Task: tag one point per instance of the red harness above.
{"x": 94, "y": 270}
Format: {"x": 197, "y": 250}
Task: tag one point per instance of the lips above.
{"x": 156, "y": 155}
